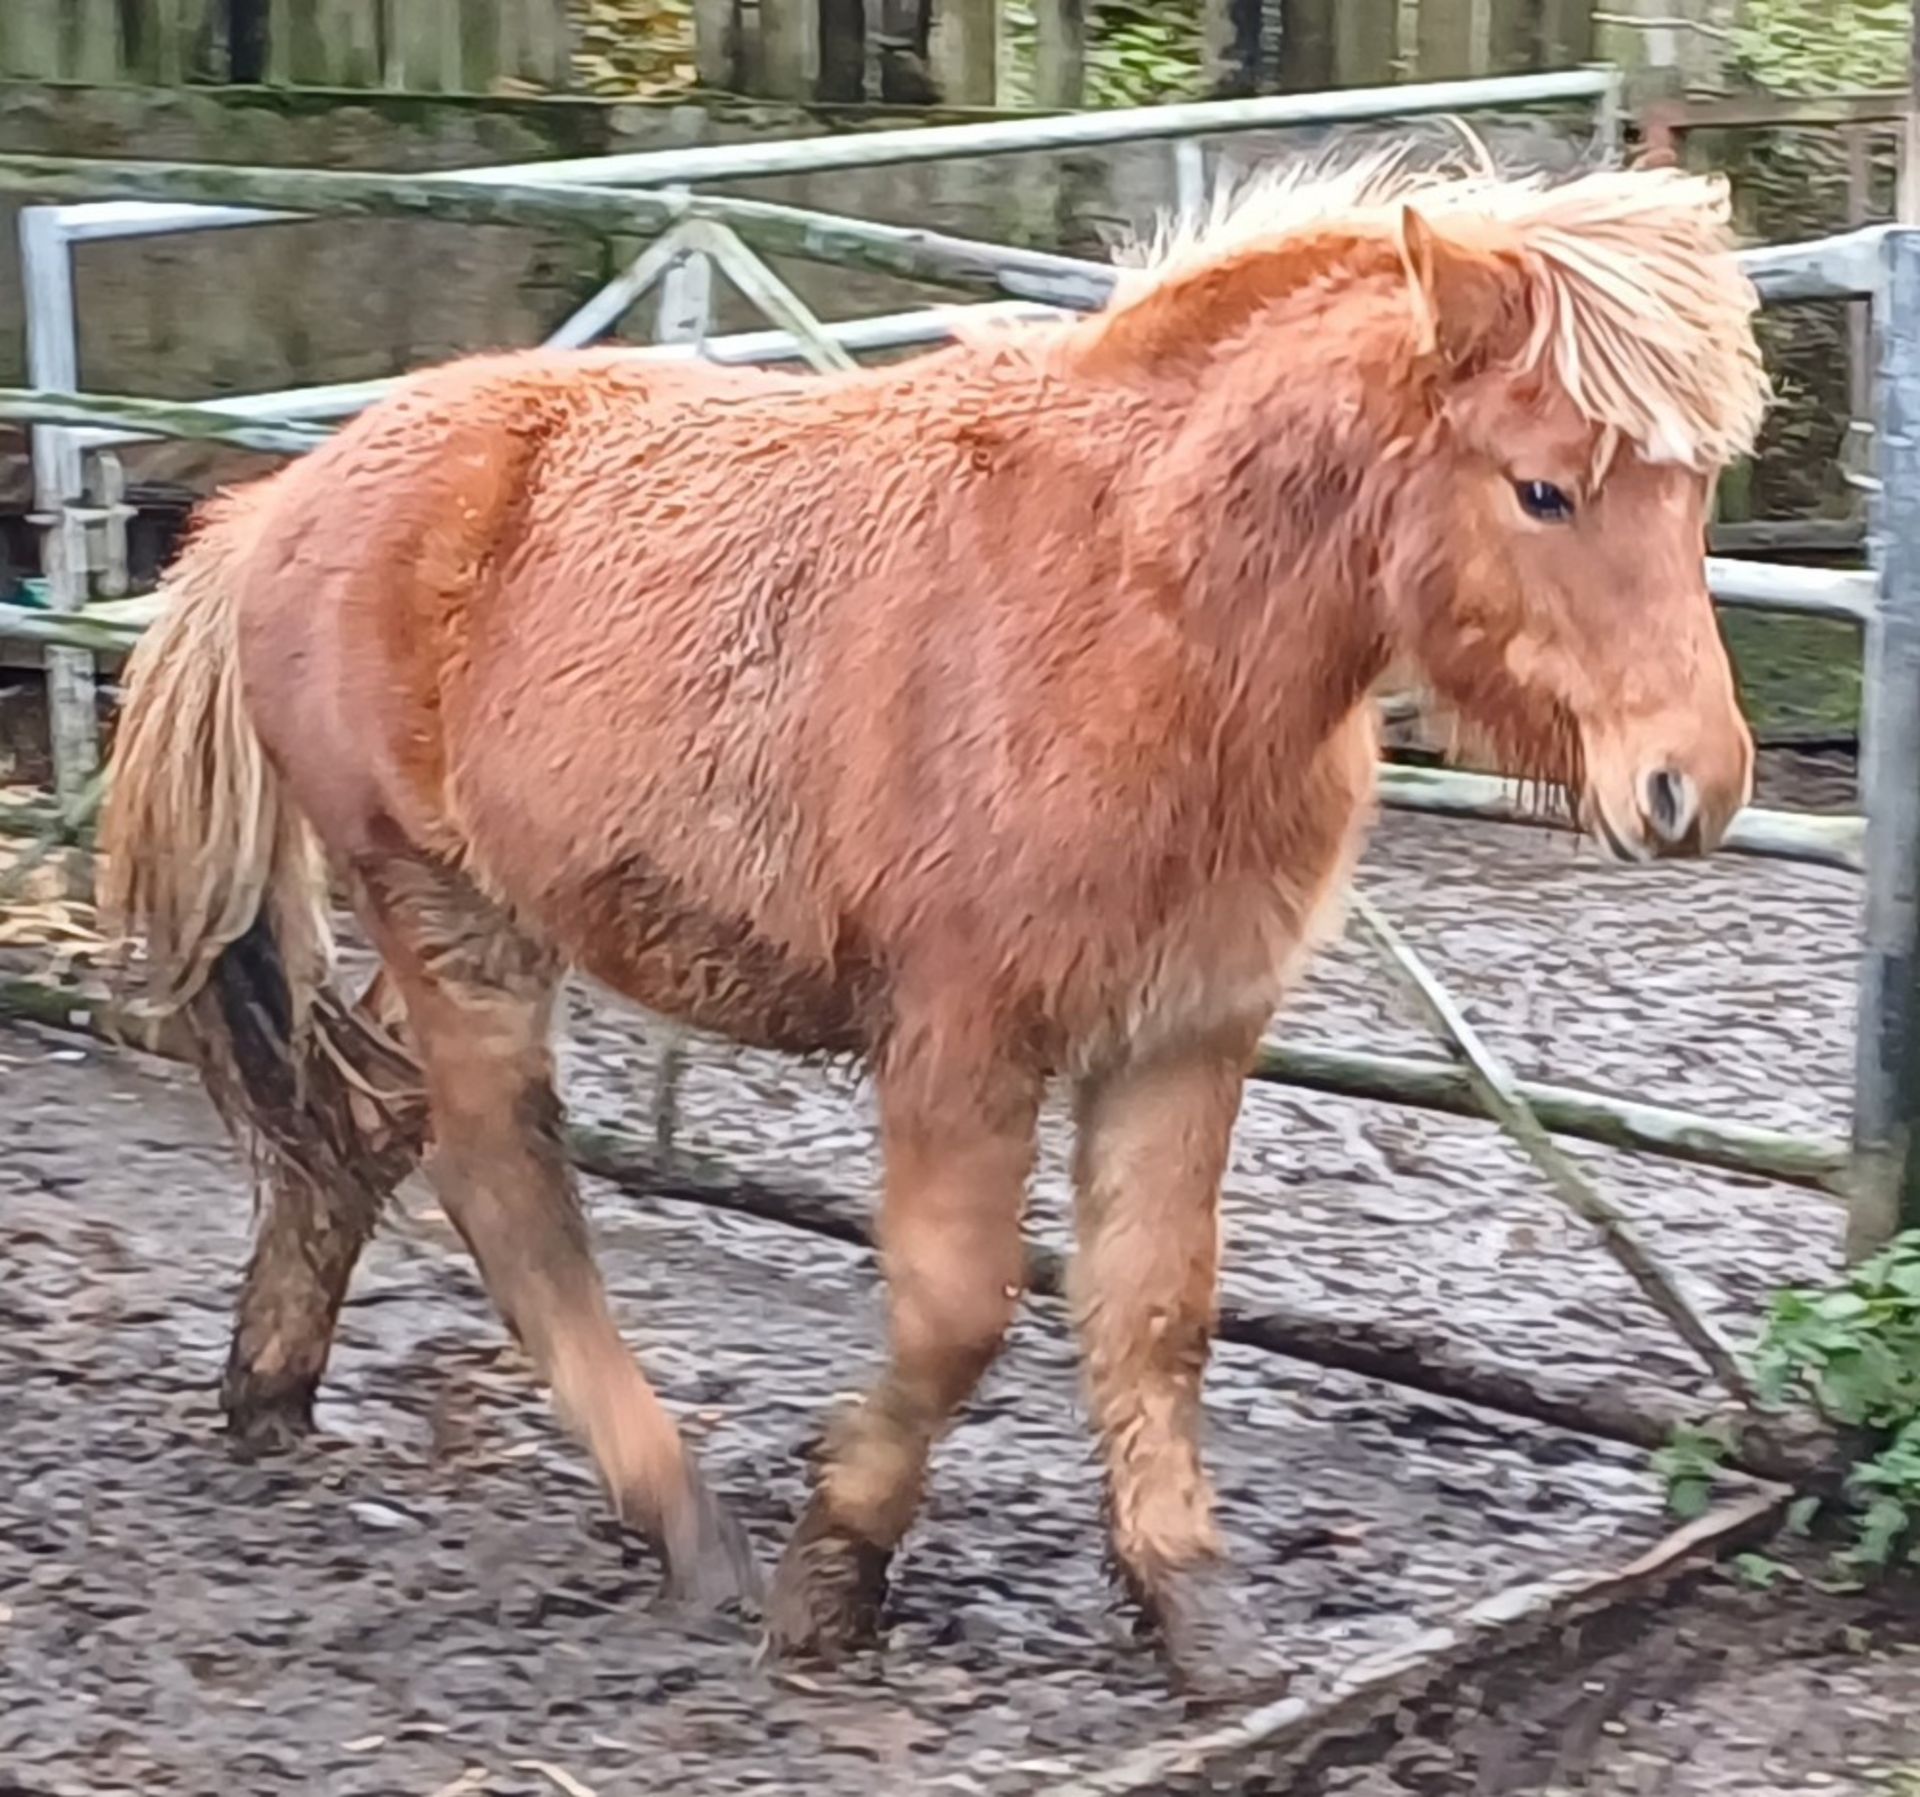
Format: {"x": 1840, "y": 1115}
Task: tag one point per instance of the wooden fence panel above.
{"x": 533, "y": 42}
{"x": 32, "y": 40}
{"x": 423, "y": 46}
{"x": 424, "y": 50}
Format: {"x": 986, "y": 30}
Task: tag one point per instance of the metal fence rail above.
{"x": 1880, "y": 265}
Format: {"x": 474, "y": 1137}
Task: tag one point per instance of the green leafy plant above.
{"x": 1139, "y": 52}
{"x": 1852, "y": 1351}
{"x": 1823, "y": 46}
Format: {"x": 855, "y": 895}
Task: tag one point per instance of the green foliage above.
{"x": 1852, "y": 1351}
{"x": 1823, "y": 46}
{"x": 1759, "y": 1571}
{"x": 1689, "y": 1464}
{"x": 1139, "y": 52}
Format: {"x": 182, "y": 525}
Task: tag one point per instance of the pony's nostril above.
{"x": 1670, "y": 804}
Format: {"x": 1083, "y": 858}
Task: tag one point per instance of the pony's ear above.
{"x": 1469, "y": 306}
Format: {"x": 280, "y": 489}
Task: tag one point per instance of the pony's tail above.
{"x": 207, "y": 863}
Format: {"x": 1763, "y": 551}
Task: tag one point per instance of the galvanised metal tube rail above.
{"x": 1834, "y": 267}
{"x": 1851, "y": 266}
{"x": 945, "y": 143}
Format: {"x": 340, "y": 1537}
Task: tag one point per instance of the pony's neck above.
{"x": 1278, "y": 475}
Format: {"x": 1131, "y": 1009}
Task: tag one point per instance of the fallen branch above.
{"x": 1780, "y": 1449}
{"x": 1499, "y": 1093}
{"x": 1256, "y": 1750}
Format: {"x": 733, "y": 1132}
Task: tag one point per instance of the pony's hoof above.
{"x": 1213, "y": 1642}
{"x": 828, "y": 1592}
{"x": 709, "y": 1561}
{"x": 265, "y": 1417}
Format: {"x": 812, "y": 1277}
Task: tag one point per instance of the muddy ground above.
{"x": 431, "y": 1598}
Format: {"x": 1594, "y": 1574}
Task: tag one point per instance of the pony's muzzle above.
{"x": 1670, "y": 812}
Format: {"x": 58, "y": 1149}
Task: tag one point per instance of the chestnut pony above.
{"x": 999, "y": 716}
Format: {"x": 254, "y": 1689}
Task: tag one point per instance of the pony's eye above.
{"x": 1543, "y": 500}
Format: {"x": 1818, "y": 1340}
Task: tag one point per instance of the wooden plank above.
{"x": 534, "y": 44}
{"x": 1565, "y": 34}
{"x": 1451, "y": 41}
{"x": 423, "y": 46}
{"x": 177, "y": 42}
{"x": 843, "y": 52}
{"x": 1512, "y": 46}
{"x": 1306, "y": 45}
{"x": 716, "y": 43}
{"x": 348, "y": 47}
{"x": 966, "y": 51}
{"x": 789, "y": 60}
{"x": 1366, "y": 43}
{"x": 97, "y": 48}
{"x": 32, "y": 42}
{"x": 295, "y": 55}
{"x": 1060, "y": 53}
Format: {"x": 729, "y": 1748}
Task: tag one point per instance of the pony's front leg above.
{"x": 1154, "y": 1136}
{"x": 958, "y": 1137}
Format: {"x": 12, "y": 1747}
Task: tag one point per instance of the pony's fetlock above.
{"x": 1208, "y": 1632}
{"x": 829, "y": 1591}
{"x": 709, "y": 1561}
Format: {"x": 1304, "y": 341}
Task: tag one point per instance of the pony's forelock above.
{"x": 1641, "y": 312}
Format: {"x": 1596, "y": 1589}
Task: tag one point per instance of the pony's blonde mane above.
{"x": 1641, "y": 312}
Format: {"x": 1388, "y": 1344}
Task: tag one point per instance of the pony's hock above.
{"x": 696, "y": 752}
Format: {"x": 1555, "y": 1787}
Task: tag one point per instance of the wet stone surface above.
{"x": 432, "y": 1597}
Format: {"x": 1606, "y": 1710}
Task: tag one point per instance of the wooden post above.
{"x": 966, "y": 51}
{"x": 424, "y": 54}
{"x": 1366, "y": 43}
{"x": 534, "y": 43}
{"x": 1887, "y": 1076}
{"x": 789, "y": 61}
{"x": 716, "y": 43}
{"x": 1452, "y": 39}
{"x": 1306, "y": 45}
{"x": 1233, "y": 61}
{"x": 843, "y": 51}
{"x": 1060, "y": 53}
{"x": 31, "y": 40}
{"x": 1564, "y": 34}
{"x": 99, "y": 51}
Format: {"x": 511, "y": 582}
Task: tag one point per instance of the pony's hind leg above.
{"x": 1154, "y": 1137}
{"x": 958, "y": 1140}
{"x": 479, "y": 996}
{"x": 338, "y": 1122}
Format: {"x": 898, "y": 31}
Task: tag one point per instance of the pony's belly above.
{"x": 752, "y": 999}
{"x": 637, "y": 934}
